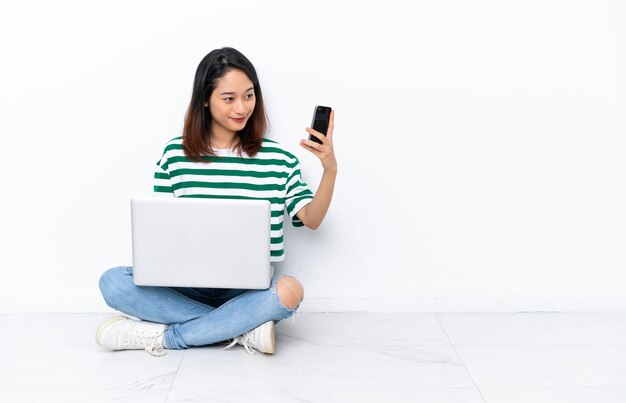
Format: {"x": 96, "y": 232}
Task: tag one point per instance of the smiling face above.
{"x": 231, "y": 104}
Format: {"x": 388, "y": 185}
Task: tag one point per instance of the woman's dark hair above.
{"x": 196, "y": 130}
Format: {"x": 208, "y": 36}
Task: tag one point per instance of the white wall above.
{"x": 481, "y": 144}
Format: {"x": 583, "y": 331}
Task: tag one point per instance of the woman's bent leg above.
{"x": 235, "y": 317}
{"x": 154, "y": 304}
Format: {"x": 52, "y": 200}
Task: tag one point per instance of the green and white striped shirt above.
{"x": 273, "y": 175}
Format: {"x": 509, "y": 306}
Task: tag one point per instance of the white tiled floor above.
{"x": 324, "y": 357}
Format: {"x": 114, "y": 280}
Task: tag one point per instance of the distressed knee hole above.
{"x": 290, "y": 292}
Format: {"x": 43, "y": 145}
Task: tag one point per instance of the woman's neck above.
{"x": 223, "y": 139}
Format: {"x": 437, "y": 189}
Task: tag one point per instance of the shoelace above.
{"x": 152, "y": 345}
{"x": 244, "y": 342}
{"x": 156, "y": 349}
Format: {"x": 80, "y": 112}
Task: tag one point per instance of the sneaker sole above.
{"x": 105, "y": 325}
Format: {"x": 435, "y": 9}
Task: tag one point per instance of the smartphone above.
{"x": 321, "y": 119}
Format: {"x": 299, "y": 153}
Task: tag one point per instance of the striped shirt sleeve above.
{"x": 162, "y": 181}
{"x": 298, "y": 194}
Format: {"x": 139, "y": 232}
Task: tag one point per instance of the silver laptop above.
{"x": 194, "y": 242}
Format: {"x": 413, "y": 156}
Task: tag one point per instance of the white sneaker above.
{"x": 260, "y": 338}
{"x": 122, "y": 333}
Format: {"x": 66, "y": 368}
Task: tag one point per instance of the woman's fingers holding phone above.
{"x": 311, "y": 145}
{"x": 316, "y": 134}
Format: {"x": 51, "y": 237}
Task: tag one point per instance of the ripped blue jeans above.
{"x": 197, "y": 316}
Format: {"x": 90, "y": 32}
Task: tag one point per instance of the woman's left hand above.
{"x": 324, "y": 151}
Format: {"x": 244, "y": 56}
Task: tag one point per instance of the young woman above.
{"x": 222, "y": 154}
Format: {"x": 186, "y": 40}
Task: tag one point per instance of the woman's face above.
{"x": 232, "y": 102}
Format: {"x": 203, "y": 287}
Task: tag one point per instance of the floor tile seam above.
{"x": 169, "y": 390}
{"x": 328, "y": 388}
{"x": 541, "y": 344}
{"x": 460, "y": 358}
{"x": 550, "y": 387}
{"x": 318, "y": 388}
{"x": 450, "y": 344}
{"x": 87, "y": 389}
{"x": 528, "y": 313}
{"x": 557, "y": 387}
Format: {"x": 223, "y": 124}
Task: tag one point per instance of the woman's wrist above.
{"x": 330, "y": 167}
